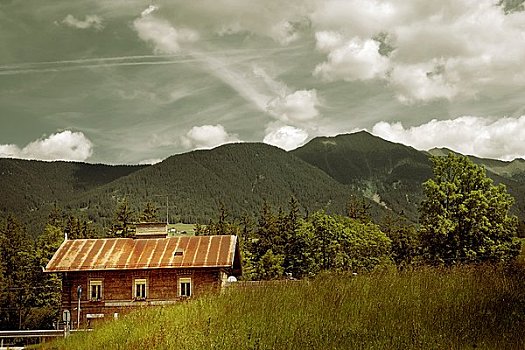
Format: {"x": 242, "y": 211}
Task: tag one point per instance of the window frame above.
{"x": 180, "y": 282}
{"x": 138, "y": 282}
{"x": 92, "y": 283}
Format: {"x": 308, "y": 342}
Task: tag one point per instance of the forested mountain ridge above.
{"x": 392, "y": 173}
{"x": 513, "y": 170}
{"x": 240, "y": 176}
{"x": 30, "y": 187}
{"x": 323, "y": 174}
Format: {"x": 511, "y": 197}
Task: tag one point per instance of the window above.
{"x": 95, "y": 290}
{"x": 185, "y": 287}
{"x": 140, "y": 292}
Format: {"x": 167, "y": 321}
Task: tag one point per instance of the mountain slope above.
{"x": 393, "y": 173}
{"x": 513, "y": 170}
{"x": 387, "y": 172}
{"x": 30, "y": 187}
{"x": 241, "y": 176}
{"x": 322, "y": 174}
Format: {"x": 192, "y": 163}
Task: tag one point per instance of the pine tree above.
{"x": 123, "y": 222}
{"x": 16, "y": 251}
{"x": 149, "y": 213}
{"x": 296, "y": 243}
{"x": 48, "y": 286}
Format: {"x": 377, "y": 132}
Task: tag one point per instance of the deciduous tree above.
{"x": 465, "y": 217}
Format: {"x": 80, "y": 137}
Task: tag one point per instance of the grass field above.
{"x": 182, "y": 228}
{"x": 462, "y": 308}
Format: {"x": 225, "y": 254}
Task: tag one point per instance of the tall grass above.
{"x": 461, "y": 308}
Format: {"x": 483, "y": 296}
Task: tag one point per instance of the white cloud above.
{"x": 90, "y": 21}
{"x": 484, "y": 137}
{"x": 355, "y": 59}
{"x": 207, "y": 136}
{"x": 286, "y": 137}
{"x": 149, "y": 10}
{"x": 65, "y": 145}
{"x": 425, "y": 81}
{"x": 150, "y": 161}
{"x": 283, "y": 22}
{"x": 298, "y": 106}
{"x": 439, "y": 50}
{"x": 165, "y": 37}
{"x": 284, "y": 33}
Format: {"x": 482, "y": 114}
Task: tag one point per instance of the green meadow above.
{"x": 469, "y": 307}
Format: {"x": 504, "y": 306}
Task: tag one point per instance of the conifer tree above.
{"x": 149, "y": 213}
{"x": 123, "y": 223}
{"x": 16, "y": 251}
{"x": 48, "y": 286}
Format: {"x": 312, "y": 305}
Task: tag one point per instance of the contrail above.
{"x": 65, "y": 66}
{"x": 85, "y": 60}
{"x": 87, "y": 66}
{"x": 83, "y": 63}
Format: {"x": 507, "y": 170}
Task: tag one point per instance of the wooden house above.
{"x": 116, "y": 275}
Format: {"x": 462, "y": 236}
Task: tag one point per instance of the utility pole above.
{"x": 167, "y": 217}
{"x": 167, "y": 211}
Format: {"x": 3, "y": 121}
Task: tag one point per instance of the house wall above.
{"x": 118, "y": 289}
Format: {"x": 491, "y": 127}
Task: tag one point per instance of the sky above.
{"x": 133, "y": 82}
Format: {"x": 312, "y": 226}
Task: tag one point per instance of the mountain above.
{"x": 513, "y": 170}
{"x": 323, "y": 174}
{"x": 29, "y": 187}
{"x": 241, "y": 176}
{"x": 392, "y": 173}
{"x": 389, "y": 173}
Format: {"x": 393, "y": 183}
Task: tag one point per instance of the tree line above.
{"x": 464, "y": 218}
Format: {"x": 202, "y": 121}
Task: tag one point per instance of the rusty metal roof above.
{"x": 153, "y": 253}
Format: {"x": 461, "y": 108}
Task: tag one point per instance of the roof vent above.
{"x": 178, "y": 252}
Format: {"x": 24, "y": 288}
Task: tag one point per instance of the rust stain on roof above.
{"x": 130, "y": 254}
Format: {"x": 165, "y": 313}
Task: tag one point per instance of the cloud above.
{"x": 443, "y": 50}
{"x": 149, "y": 10}
{"x": 165, "y": 37}
{"x": 286, "y": 137}
{"x": 284, "y": 33}
{"x": 207, "y": 136}
{"x": 150, "y": 161}
{"x": 483, "y": 137}
{"x": 282, "y": 22}
{"x": 90, "y": 21}
{"x": 250, "y": 81}
{"x": 65, "y": 145}
{"x": 300, "y": 105}
{"x": 355, "y": 59}
{"x": 422, "y": 82}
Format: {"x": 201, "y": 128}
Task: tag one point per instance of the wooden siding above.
{"x": 117, "y": 290}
